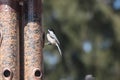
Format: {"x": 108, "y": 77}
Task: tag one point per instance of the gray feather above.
{"x": 59, "y": 49}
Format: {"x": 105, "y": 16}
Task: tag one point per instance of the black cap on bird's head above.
{"x": 51, "y": 30}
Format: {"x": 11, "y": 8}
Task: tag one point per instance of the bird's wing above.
{"x": 59, "y": 49}
{"x": 54, "y": 37}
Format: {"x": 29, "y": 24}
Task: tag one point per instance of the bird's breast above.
{"x": 51, "y": 40}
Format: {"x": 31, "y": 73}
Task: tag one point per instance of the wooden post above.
{"x": 9, "y": 48}
{"x": 33, "y": 40}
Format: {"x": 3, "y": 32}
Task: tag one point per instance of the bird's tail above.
{"x": 59, "y": 49}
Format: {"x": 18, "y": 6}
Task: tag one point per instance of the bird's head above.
{"x": 50, "y": 30}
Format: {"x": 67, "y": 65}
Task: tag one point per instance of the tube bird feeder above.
{"x": 9, "y": 47}
{"x": 33, "y": 40}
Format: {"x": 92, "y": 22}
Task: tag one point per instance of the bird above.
{"x": 52, "y": 39}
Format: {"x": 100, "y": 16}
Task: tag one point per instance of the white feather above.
{"x": 53, "y": 36}
{"x": 53, "y": 40}
{"x": 59, "y": 49}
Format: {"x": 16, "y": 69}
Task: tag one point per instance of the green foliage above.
{"x": 78, "y": 21}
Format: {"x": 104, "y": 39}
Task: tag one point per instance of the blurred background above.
{"x": 89, "y": 33}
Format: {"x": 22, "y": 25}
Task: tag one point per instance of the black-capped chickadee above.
{"x": 52, "y": 39}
